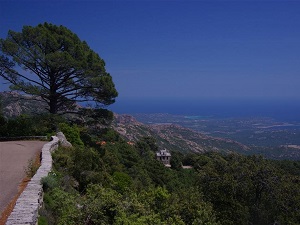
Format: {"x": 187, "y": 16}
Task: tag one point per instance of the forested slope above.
{"x": 115, "y": 182}
{"x": 107, "y": 179}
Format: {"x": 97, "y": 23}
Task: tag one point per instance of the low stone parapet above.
{"x": 42, "y": 138}
{"x": 29, "y": 202}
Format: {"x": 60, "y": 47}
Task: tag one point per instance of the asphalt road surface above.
{"x": 14, "y": 158}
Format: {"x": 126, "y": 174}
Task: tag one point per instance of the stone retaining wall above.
{"x": 29, "y": 202}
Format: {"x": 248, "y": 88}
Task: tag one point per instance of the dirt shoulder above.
{"x": 14, "y": 158}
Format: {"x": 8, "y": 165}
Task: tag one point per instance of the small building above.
{"x": 164, "y": 156}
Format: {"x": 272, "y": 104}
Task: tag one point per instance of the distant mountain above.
{"x": 15, "y": 104}
{"x": 174, "y": 137}
{"x": 168, "y": 135}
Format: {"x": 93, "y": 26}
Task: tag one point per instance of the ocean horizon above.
{"x": 283, "y": 109}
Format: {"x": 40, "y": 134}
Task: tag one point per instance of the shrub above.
{"x": 123, "y": 181}
{"x": 50, "y": 182}
{"x": 42, "y": 220}
{"x": 72, "y": 133}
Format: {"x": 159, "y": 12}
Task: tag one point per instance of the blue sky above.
{"x": 181, "y": 49}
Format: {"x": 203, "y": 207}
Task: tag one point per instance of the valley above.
{"x": 263, "y": 135}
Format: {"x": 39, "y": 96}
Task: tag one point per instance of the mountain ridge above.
{"x": 173, "y": 136}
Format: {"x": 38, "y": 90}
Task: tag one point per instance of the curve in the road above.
{"x": 14, "y": 158}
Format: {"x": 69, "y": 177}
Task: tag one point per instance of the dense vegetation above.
{"x": 28, "y": 125}
{"x": 63, "y": 70}
{"x": 104, "y": 179}
{"x": 110, "y": 181}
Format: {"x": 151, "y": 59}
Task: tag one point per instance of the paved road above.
{"x": 14, "y": 157}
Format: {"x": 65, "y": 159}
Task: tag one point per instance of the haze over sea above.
{"x": 287, "y": 110}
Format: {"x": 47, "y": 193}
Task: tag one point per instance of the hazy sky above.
{"x": 181, "y": 49}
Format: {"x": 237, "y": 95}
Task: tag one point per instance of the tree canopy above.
{"x": 52, "y": 63}
{"x": 119, "y": 183}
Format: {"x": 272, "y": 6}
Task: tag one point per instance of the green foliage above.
{"x": 87, "y": 166}
{"x": 245, "y": 189}
{"x": 83, "y": 164}
{"x": 42, "y": 220}
{"x": 102, "y": 205}
{"x": 65, "y": 69}
{"x": 64, "y": 206}
{"x": 192, "y": 207}
{"x": 113, "y": 185}
{"x": 20, "y": 126}
{"x": 122, "y": 181}
{"x": 3, "y": 127}
{"x": 96, "y": 116}
{"x": 72, "y": 133}
{"x": 290, "y": 167}
{"x": 2, "y": 118}
{"x": 1, "y": 106}
{"x": 150, "y": 142}
{"x": 117, "y": 183}
{"x": 177, "y": 158}
{"x": 26, "y": 125}
{"x": 49, "y": 121}
{"x": 109, "y": 135}
{"x": 50, "y": 182}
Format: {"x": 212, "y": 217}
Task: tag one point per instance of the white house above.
{"x": 164, "y": 156}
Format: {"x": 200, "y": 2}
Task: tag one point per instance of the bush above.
{"x": 42, "y": 221}
{"x": 50, "y": 182}
{"x": 123, "y": 181}
{"x": 26, "y": 125}
{"x": 72, "y": 133}
{"x": 63, "y": 206}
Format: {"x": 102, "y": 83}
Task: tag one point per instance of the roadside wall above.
{"x": 29, "y": 202}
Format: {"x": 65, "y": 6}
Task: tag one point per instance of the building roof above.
{"x": 163, "y": 152}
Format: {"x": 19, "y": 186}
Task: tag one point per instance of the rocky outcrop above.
{"x": 63, "y": 140}
{"x": 15, "y": 104}
{"x": 125, "y": 119}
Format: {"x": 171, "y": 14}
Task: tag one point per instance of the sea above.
{"x": 287, "y": 110}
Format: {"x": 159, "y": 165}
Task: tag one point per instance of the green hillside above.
{"x": 115, "y": 182}
{"x": 110, "y": 176}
